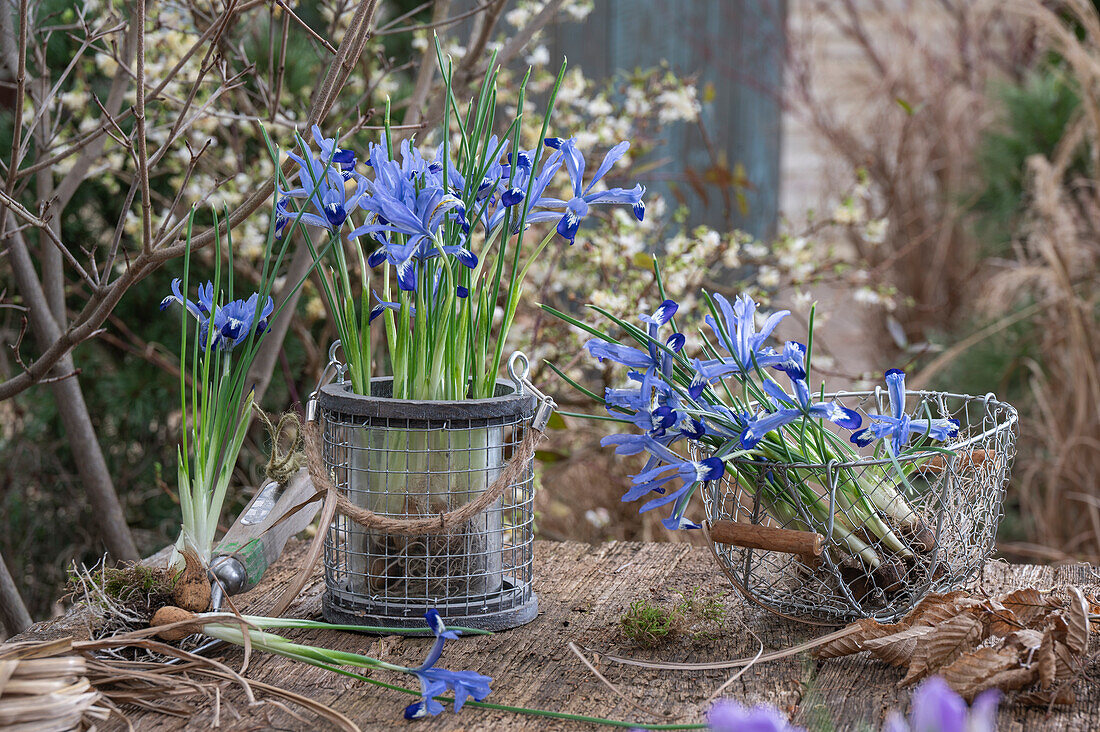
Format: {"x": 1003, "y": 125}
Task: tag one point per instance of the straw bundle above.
{"x": 43, "y": 691}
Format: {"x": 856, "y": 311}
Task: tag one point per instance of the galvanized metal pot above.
{"x": 414, "y": 459}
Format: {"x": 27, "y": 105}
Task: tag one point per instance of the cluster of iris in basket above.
{"x": 745, "y": 406}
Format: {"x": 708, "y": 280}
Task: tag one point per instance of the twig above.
{"x": 312, "y": 33}
{"x": 441, "y": 23}
{"x": 614, "y": 689}
{"x": 427, "y": 70}
{"x": 18, "y": 209}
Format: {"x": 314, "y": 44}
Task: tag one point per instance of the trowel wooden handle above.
{"x": 789, "y": 541}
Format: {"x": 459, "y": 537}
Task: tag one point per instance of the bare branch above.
{"x": 438, "y": 19}
{"x": 139, "y": 133}
{"x": 427, "y": 71}
{"x": 305, "y": 26}
{"x": 71, "y": 406}
{"x": 18, "y": 209}
{"x": 165, "y": 247}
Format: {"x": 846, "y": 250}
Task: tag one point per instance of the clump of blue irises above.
{"x": 747, "y": 405}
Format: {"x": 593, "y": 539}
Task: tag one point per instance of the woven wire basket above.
{"x": 404, "y": 458}
{"x": 958, "y": 500}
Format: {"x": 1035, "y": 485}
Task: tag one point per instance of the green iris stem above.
{"x": 331, "y": 660}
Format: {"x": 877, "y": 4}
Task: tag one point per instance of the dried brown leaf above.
{"x": 1060, "y": 697}
{"x": 1007, "y": 680}
{"x": 985, "y": 668}
{"x": 898, "y": 649}
{"x": 1027, "y": 606}
{"x": 1056, "y": 625}
{"x": 1066, "y": 663}
{"x": 947, "y": 641}
{"x": 1025, "y": 641}
{"x": 849, "y": 644}
{"x": 1077, "y": 622}
{"x": 933, "y": 607}
{"x": 1002, "y": 621}
{"x": 1045, "y": 660}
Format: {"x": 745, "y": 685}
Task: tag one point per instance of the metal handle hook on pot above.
{"x": 338, "y": 369}
{"x": 519, "y": 368}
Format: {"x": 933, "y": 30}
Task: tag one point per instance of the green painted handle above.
{"x": 255, "y": 539}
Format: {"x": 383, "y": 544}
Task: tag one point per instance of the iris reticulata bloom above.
{"x": 576, "y": 208}
{"x": 435, "y": 681}
{"x": 233, "y": 321}
{"x": 792, "y": 409}
{"x": 898, "y": 425}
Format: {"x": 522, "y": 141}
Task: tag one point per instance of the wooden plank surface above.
{"x": 583, "y": 591}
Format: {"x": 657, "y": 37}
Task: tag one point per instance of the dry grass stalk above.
{"x": 98, "y": 682}
{"x": 43, "y": 688}
{"x": 1055, "y": 266}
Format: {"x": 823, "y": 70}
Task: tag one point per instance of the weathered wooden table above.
{"x": 583, "y": 591}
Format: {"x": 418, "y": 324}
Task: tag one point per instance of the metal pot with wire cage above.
{"x": 417, "y": 467}
{"x": 788, "y": 558}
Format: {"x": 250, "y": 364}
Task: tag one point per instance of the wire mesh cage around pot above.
{"x": 937, "y": 528}
{"x": 411, "y": 459}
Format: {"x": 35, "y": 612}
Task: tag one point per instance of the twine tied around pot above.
{"x": 439, "y": 523}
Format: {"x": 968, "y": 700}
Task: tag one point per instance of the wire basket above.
{"x": 406, "y": 459}
{"x": 794, "y": 567}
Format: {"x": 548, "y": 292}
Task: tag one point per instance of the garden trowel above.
{"x": 257, "y": 537}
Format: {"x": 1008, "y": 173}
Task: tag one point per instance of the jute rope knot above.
{"x": 441, "y": 523}
{"x": 281, "y": 466}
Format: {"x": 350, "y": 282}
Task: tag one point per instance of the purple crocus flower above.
{"x": 435, "y": 681}
{"x": 727, "y": 715}
{"x": 576, "y": 208}
{"x": 936, "y": 708}
{"x": 897, "y": 425}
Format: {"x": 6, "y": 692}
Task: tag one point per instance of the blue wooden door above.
{"x": 736, "y": 48}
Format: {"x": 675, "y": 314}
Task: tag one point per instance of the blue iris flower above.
{"x": 792, "y": 409}
{"x": 636, "y": 358}
{"x": 722, "y": 421}
{"x": 331, "y": 151}
{"x": 792, "y": 361}
{"x": 435, "y": 681}
{"x": 233, "y": 322}
{"x": 897, "y": 425}
{"x": 576, "y": 208}
{"x": 324, "y": 185}
{"x": 738, "y": 335}
{"x": 516, "y": 191}
{"x": 663, "y": 466}
{"x": 420, "y": 223}
{"x": 384, "y": 305}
